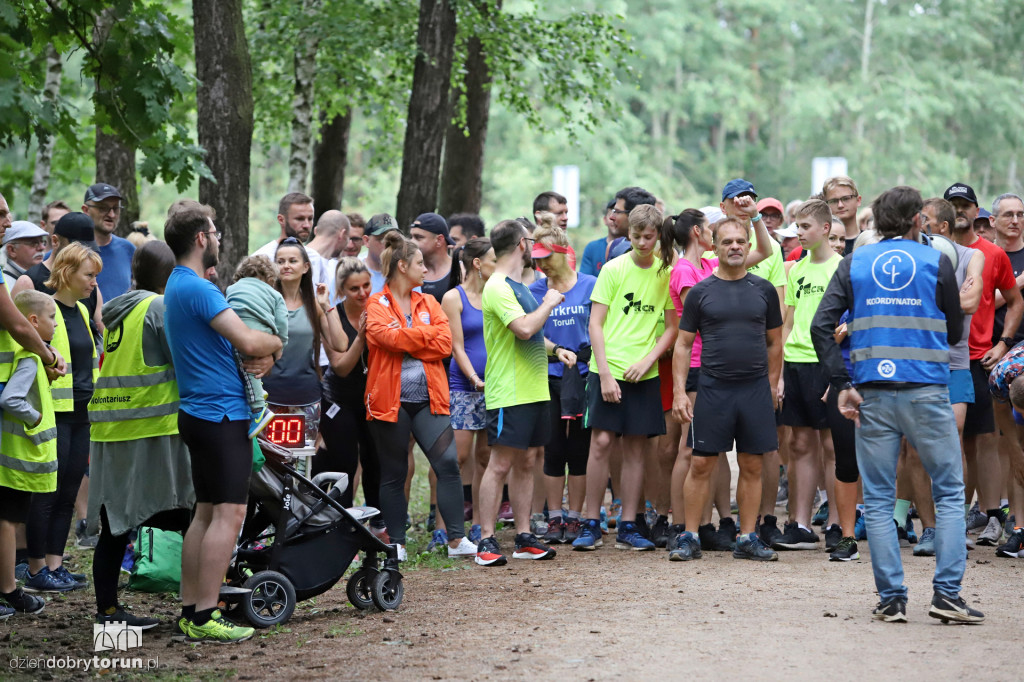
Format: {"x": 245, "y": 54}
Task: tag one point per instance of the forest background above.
{"x": 407, "y": 106}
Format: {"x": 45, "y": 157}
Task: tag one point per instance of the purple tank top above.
{"x": 473, "y": 341}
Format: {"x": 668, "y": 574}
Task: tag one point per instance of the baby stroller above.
{"x": 298, "y": 540}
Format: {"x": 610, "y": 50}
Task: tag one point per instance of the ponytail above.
{"x": 677, "y": 229}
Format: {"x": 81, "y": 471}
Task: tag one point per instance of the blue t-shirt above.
{"x": 204, "y": 363}
{"x": 568, "y": 324}
{"x": 593, "y": 257}
{"x": 116, "y": 276}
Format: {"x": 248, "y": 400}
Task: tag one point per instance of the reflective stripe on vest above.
{"x": 8, "y": 346}
{"x": 28, "y": 455}
{"x": 62, "y": 389}
{"x": 898, "y": 332}
{"x": 132, "y": 400}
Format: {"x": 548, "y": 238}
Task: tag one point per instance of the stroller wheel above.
{"x": 387, "y": 591}
{"x": 271, "y": 601}
{"x": 360, "y": 588}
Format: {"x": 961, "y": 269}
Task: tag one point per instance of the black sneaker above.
{"x": 572, "y": 530}
{"x": 122, "y": 616}
{"x": 711, "y": 540}
{"x": 675, "y": 531}
{"x": 21, "y": 601}
{"x": 642, "y": 527}
{"x": 833, "y": 534}
{"x": 684, "y": 547}
{"x": 659, "y": 534}
{"x": 556, "y": 532}
{"x": 529, "y": 547}
{"x": 728, "y": 531}
{"x": 795, "y": 537}
{"x": 901, "y": 533}
{"x": 489, "y": 554}
{"x": 954, "y": 609}
{"x": 751, "y": 547}
{"x": 1013, "y": 547}
{"x": 845, "y": 550}
{"x": 892, "y": 611}
{"x": 769, "y": 531}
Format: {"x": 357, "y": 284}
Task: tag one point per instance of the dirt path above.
{"x": 608, "y": 614}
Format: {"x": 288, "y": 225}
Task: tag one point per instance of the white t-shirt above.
{"x": 316, "y": 262}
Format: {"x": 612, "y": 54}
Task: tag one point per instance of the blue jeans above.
{"x": 925, "y": 417}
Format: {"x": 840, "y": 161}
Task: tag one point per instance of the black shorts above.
{"x": 14, "y": 504}
{"x": 569, "y": 445}
{"x": 637, "y": 414}
{"x": 980, "y": 416}
{"x": 802, "y": 405}
{"x": 691, "y": 379}
{"x": 519, "y": 426}
{"x": 727, "y": 411}
{"x": 221, "y": 456}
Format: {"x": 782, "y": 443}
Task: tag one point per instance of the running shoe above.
{"x": 47, "y": 581}
{"x": 128, "y": 560}
{"x": 465, "y": 548}
{"x": 6, "y": 612}
{"x": 21, "y": 572}
{"x": 604, "y": 519}
{"x": 590, "y": 536}
{"x": 259, "y": 422}
{"x": 820, "y": 516}
{"x": 992, "y": 534}
{"x": 711, "y": 540}
{"x": 911, "y": 535}
{"x": 489, "y": 554}
{"x": 769, "y": 530}
{"x": 860, "y": 527}
{"x": 529, "y": 547}
{"x": 538, "y": 524}
{"x": 782, "y": 497}
{"x": 82, "y": 539}
{"x": 728, "y": 531}
{"x": 615, "y": 513}
{"x": 119, "y": 615}
{"x": 976, "y": 519}
{"x": 1012, "y": 548}
{"x": 659, "y": 533}
{"x": 650, "y": 515}
{"x": 641, "y": 526}
{"x": 505, "y": 512}
{"x": 630, "y": 537}
{"x": 970, "y": 542}
{"x": 22, "y": 602}
{"x": 901, "y": 535}
{"x": 76, "y": 579}
{"x": 954, "y": 609}
{"x": 795, "y": 537}
{"x": 218, "y": 629}
{"x": 572, "y": 530}
{"x": 750, "y": 547}
{"x": 833, "y": 534}
{"x": 926, "y": 545}
{"x": 685, "y": 547}
{"x": 846, "y": 550}
{"x": 556, "y": 531}
{"x": 1009, "y": 525}
{"x": 892, "y": 611}
{"x": 474, "y": 534}
{"x": 438, "y": 539}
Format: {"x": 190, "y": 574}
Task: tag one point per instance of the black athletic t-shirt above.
{"x": 82, "y": 341}
{"x": 439, "y": 287}
{"x": 1017, "y": 263}
{"x": 732, "y": 317}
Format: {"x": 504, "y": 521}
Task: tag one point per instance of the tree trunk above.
{"x": 225, "y": 121}
{"x": 330, "y": 156}
{"x": 428, "y": 111}
{"x": 865, "y": 66}
{"x": 115, "y": 165}
{"x": 44, "y": 155}
{"x": 462, "y": 177}
{"x": 302, "y": 105}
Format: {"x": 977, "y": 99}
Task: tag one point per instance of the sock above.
{"x": 900, "y": 512}
{"x": 824, "y": 496}
{"x": 803, "y": 526}
{"x": 998, "y": 513}
{"x": 1004, "y": 502}
{"x": 574, "y": 515}
{"x": 554, "y": 515}
{"x": 188, "y": 612}
{"x": 467, "y": 493}
{"x": 202, "y": 617}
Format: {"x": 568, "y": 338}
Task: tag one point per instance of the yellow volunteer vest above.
{"x": 62, "y": 388}
{"x": 132, "y": 400}
{"x": 8, "y": 346}
{"x": 28, "y": 454}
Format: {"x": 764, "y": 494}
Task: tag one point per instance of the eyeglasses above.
{"x": 104, "y": 210}
{"x": 841, "y": 200}
{"x": 1010, "y": 215}
{"x": 214, "y": 233}
{"x": 615, "y": 211}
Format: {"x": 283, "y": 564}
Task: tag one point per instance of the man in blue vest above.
{"x": 904, "y": 314}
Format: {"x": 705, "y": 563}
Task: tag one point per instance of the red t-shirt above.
{"x": 997, "y": 274}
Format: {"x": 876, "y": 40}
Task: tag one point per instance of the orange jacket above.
{"x": 429, "y": 339}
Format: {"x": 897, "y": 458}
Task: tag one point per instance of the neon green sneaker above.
{"x": 217, "y": 629}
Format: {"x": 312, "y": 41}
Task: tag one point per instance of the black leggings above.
{"x": 843, "y": 439}
{"x": 570, "y": 442}
{"x": 50, "y": 514}
{"x": 106, "y": 560}
{"x": 434, "y": 435}
{"x": 348, "y": 443}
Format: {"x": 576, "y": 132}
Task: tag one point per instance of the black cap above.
{"x": 432, "y": 222}
{"x": 101, "y": 191}
{"x": 76, "y": 227}
{"x": 959, "y": 189}
{"x": 378, "y": 224}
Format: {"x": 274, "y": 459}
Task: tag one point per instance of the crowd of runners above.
{"x": 863, "y": 363}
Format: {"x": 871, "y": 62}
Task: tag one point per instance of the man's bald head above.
{"x": 331, "y": 223}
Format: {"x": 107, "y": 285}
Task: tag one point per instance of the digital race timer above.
{"x": 287, "y": 430}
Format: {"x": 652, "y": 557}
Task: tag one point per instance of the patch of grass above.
{"x": 345, "y": 630}
{"x": 274, "y": 630}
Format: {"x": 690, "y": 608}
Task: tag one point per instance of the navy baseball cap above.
{"x": 961, "y": 190}
{"x": 982, "y": 213}
{"x": 101, "y": 191}
{"x": 432, "y": 222}
{"x": 736, "y": 187}
{"x": 76, "y": 227}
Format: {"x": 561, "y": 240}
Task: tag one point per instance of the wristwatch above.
{"x": 755, "y": 218}
{"x": 54, "y": 352}
{"x": 1007, "y": 341}
{"x": 554, "y": 351}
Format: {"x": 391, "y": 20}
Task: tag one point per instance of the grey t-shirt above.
{"x": 960, "y": 354}
{"x": 293, "y": 380}
{"x": 414, "y": 377}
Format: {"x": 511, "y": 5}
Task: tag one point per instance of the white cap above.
{"x": 23, "y": 229}
{"x": 786, "y": 232}
{"x": 713, "y": 214}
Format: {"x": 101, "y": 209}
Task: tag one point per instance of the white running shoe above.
{"x": 465, "y": 549}
{"x": 992, "y": 534}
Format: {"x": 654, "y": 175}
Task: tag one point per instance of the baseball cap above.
{"x": 713, "y": 214}
{"x": 959, "y": 189}
{"x": 432, "y": 222}
{"x": 786, "y": 232}
{"x": 736, "y": 187}
{"x": 23, "y": 229}
{"x": 76, "y": 227}
{"x": 770, "y": 202}
{"x": 983, "y": 213}
{"x": 378, "y": 224}
{"x": 101, "y": 191}
{"x": 545, "y": 250}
